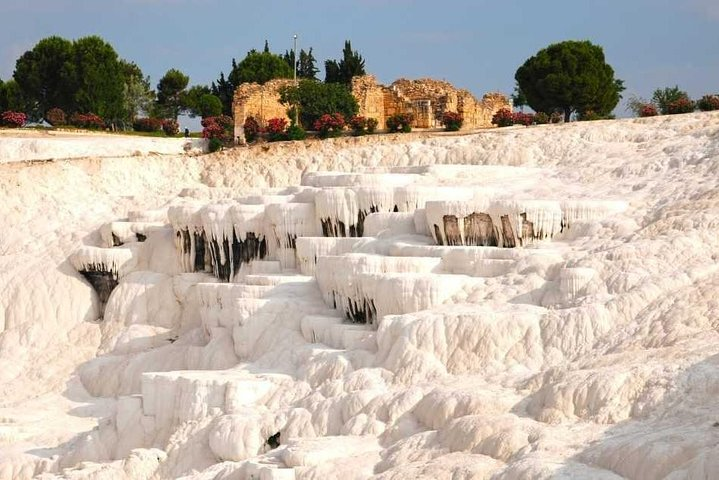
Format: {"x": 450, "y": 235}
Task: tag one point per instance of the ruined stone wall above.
{"x": 426, "y": 99}
{"x": 259, "y": 101}
{"x": 370, "y": 98}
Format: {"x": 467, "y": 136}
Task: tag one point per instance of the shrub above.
{"x": 708, "y": 103}
{"x": 218, "y": 130}
{"x": 147, "y": 125}
{"x": 400, "y": 122}
{"x": 541, "y": 118}
{"x": 56, "y": 117}
{"x": 13, "y": 119}
{"x": 214, "y": 144}
{"x": 682, "y": 105}
{"x": 86, "y": 120}
{"x": 521, "y": 118}
{"x": 296, "y": 132}
{"x": 170, "y": 127}
{"x": 663, "y": 98}
{"x": 252, "y": 129}
{"x": 588, "y": 116}
{"x": 371, "y": 125}
{"x": 556, "y": 117}
{"x": 452, "y": 121}
{"x": 276, "y": 129}
{"x": 503, "y": 118}
{"x": 648, "y": 110}
{"x": 358, "y": 124}
{"x": 330, "y": 125}
{"x": 317, "y": 98}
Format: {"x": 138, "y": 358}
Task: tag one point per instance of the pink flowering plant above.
{"x": 170, "y": 127}
{"x": 218, "y": 130}
{"x": 89, "y": 121}
{"x": 276, "y": 129}
{"x": 400, "y": 123}
{"x": 708, "y": 103}
{"x": 503, "y": 118}
{"x": 452, "y": 121}
{"x": 330, "y": 125}
{"x": 13, "y": 119}
{"x": 648, "y": 110}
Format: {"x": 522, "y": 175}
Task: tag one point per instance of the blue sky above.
{"x": 476, "y": 45}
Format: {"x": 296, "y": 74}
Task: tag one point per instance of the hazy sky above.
{"x": 476, "y": 44}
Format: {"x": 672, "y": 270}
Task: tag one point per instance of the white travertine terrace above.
{"x": 522, "y": 303}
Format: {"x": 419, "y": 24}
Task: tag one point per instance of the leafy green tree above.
{"x": 46, "y": 75}
{"x": 170, "y": 91}
{"x": 519, "y": 99}
{"x": 11, "y": 97}
{"x": 225, "y": 91}
{"x": 199, "y": 100}
{"x": 306, "y": 65}
{"x": 98, "y": 78}
{"x": 137, "y": 94}
{"x": 570, "y": 76}
{"x": 307, "y": 68}
{"x": 259, "y": 68}
{"x": 315, "y": 99}
{"x": 352, "y": 64}
{"x": 664, "y": 97}
{"x": 210, "y": 106}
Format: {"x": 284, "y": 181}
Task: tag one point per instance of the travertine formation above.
{"x": 425, "y": 99}
{"x": 534, "y": 303}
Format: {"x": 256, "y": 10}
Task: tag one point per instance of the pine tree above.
{"x": 351, "y": 65}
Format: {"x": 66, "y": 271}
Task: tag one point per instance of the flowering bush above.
{"x": 13, "y": 119}
{"x": 452, "y": 121}
{"x": 708, "y": 103}
{"x": 56, "y": 117}
{"x": 330, "y": 125}
{"x": 276, "y": 129}
{"x": 503, "y": 118}
{"x": 521, "y": 118}
{"x": 170, "y": 127}
{"x": 648, "y": 110}
{"x": 400, "y": 122}
{"x": 147, "y": 124}
{"x": 541, "y": 118}
{"x": 252, "y": 129}
{"x": 218, "y": 130}
{"x": 682, "y": 105}
{"x": 86, "y": 120}
{"x": 362, "y": 125}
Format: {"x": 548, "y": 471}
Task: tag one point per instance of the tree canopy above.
{"x": 306, "y": 65}
{"x": 84, "y": 76}
{"x": 99, "y": 81}
{"x": 259, "y": 67}
{"x": 352, "y": 64}
{"x": 570, "y": 76}
{"x": 170, "y": 90}
{"x": 315, "y": 99}
{"x": 137, "y": 94}
{"x": 46, "y": 75}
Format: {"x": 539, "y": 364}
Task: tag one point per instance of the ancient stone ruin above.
{"x": 425, "y": 99}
